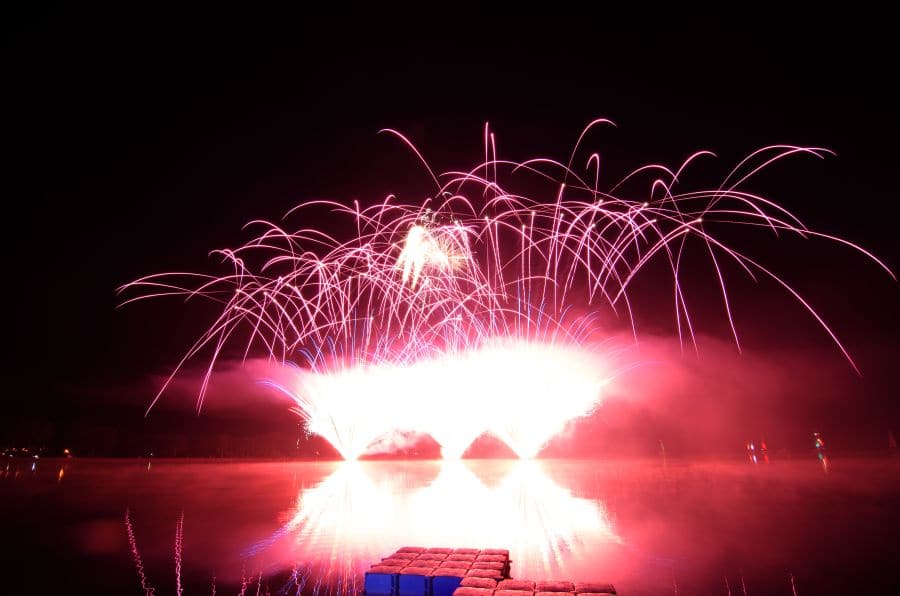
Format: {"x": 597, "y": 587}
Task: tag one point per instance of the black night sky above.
{"x": 135, "y": 143}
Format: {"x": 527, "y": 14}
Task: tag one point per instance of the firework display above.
{"x": 477, "y": 309}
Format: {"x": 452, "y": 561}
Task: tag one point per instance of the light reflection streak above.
{"x": 364, "y": 510}
{"x": 148, "y": 588}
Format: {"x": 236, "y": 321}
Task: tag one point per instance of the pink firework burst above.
{"x": 475, "y": 310}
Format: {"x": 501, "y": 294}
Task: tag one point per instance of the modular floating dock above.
{"x": 419, "y": 571}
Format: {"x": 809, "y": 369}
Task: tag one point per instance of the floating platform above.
{"x": 419, "y": 571}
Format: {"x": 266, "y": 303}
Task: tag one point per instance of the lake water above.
{"x": 647, "y": 526}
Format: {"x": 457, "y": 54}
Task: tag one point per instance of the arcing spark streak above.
{"x": 460, "y": 314}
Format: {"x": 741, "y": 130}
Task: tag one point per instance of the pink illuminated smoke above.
{"x": 476, "y": 310}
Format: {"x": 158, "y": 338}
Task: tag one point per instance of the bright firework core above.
{"x": 524, "y": 393}
{"x": 458, "y": 315}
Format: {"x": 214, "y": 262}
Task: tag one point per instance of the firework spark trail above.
{"x": 136, "y": 555}
{"x": 423, "y": 286}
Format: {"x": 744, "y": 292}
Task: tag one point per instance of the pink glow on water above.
{"x": 547, "y": 528}
{"x": 640, "y": 524}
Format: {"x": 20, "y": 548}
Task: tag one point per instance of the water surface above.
{"x": 648, "y": 526}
